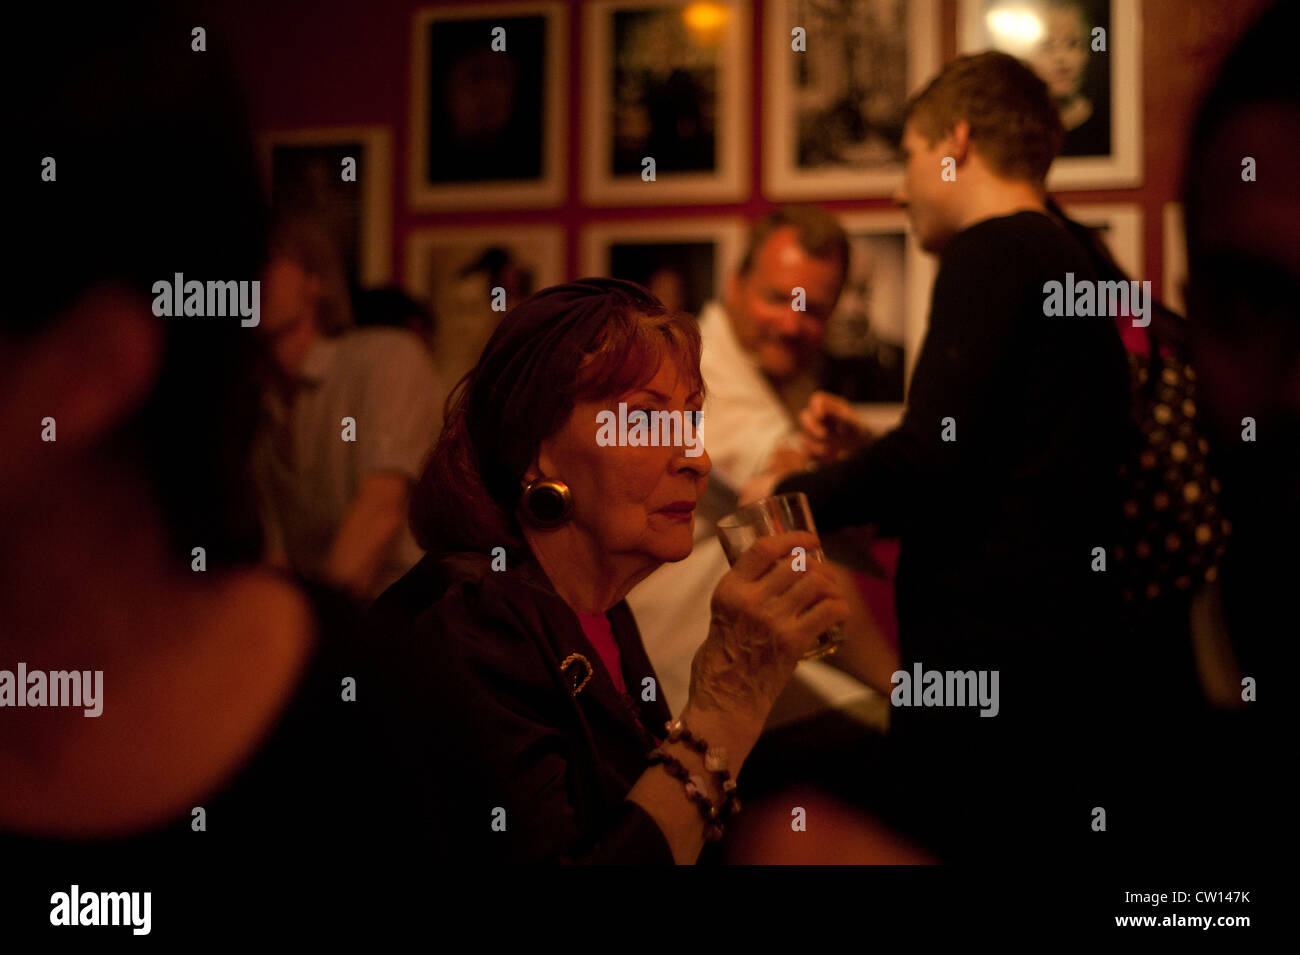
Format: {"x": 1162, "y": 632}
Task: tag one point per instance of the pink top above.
{"x": 596, "y": 627}
{"x": 1135, "y": 339}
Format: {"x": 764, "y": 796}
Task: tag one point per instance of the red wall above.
{"x": 344, "y": 62}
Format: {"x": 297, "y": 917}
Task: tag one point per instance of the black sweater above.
{"x": 997, "y": 526}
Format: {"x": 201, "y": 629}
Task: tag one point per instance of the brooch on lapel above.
{"x": 581, "y": 674}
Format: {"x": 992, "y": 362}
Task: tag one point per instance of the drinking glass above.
{"x": 776, "y": 515}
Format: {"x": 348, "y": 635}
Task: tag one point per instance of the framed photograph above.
{"x": 666, "y": 94}
{"x": 875, "y": 334}
{"x": 1088, "y": 52}
{"x": 487, "y": 105}
{"x": 684, "y": 262}
{"x": 1121, "y": 225}
{"x": 340, "y": 178}
{"x": 1174, "y": 258}
{"x": 837, "y": 76}
{"x": 454, "y": 271}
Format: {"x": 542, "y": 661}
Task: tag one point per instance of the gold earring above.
{"x": 547, "y": 503}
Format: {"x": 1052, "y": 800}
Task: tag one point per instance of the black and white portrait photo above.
{"x": 864, "y": 337}
{"x": 1086, "y": 52}
{"x": 874, "y": 334}
{"x": 839, "y": 75}
{"x": 486, "y": 124}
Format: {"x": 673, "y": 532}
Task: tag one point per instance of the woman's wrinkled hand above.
{"x": 766, "y": 615}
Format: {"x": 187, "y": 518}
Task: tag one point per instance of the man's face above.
{"x": 289, "y": 299}
{"x": 762, "y": 309}
{"x": 930, "y": 201}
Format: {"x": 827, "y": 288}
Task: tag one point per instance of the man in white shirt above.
{"x": 759, "y": 364}
{"x": 350, "y": 416}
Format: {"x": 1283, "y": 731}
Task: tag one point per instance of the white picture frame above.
{"x": 1121, "y": 165}
{"x": 544, "y": 58}
{"x": 462, "y": 304}
{"x": 790, "y": 171}
{"x": 915, "y": 286}
{"x": 364, "y": 238}
{"x": 612, "y": 69}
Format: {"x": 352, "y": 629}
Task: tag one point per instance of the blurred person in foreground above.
{"x": 1243, "y": 306}
{"x": 350, "y": 415}
{"x": 546, "y": 705}
{"x": 1217, "y": 789}
{"x": 219, "y": 680}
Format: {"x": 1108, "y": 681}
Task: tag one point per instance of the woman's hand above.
{"x": 831, "y": 428}
{"x": 766, "y": 615}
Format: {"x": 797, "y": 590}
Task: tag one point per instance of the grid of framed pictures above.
{"x": 875, "y": 334}
{"x": 488, "y": 105}
{"x": 837, "y": 76}
{"x": 455, "y": 270}
{"x": 669, "y": 81}
{"x": 683, "y": 261}
{"x": 1088, "y": 52}
{"x": 666, "y": 92}
{"x": 308, "y": 177}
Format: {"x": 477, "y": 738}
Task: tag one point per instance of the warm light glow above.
{"x": 705, "y": 18}
{"x": 1014, "y": 27}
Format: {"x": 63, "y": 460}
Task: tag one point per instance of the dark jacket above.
{"x": 503, "y": 729}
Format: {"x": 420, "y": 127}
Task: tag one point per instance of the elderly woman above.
{"x": 550, "y": 739}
